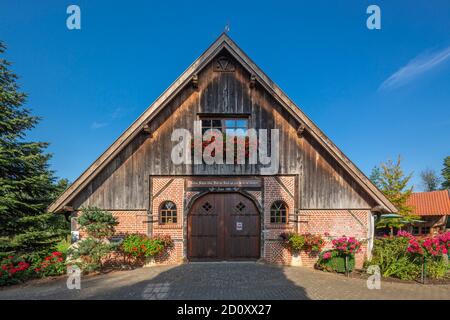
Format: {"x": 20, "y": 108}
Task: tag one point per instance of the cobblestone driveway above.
{"x": 222, "y": 281}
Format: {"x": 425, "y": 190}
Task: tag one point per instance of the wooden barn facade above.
{"x": 228, "y": 211}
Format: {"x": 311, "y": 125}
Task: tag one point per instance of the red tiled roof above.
{"x": 434, "y": 203}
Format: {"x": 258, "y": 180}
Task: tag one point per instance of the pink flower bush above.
{"x": 326, "y": 255}
{"x": 414, "y": 247}
{"x": 404, "y": 234}
{"x": 436, "y": 246}
{"x": 444, "y": 241}
{"x": 346, "y": 245}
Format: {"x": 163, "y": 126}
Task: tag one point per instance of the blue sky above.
{"x": 375, "y": 93}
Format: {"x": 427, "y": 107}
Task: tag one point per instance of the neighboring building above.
{"x": 228, "y": 211}
{"x": 433, "y": 208}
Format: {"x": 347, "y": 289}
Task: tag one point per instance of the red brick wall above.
{"x": 334, "y": 222}
{"x": 164, "y": 189}
{"x": 129, "y": 222}
{"x": 337, "y": 223}
{"x": 273, "y": 250}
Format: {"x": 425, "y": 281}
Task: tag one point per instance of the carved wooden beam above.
{"x": 377, "y": 209}
{"x": 68, "y": 209}
{"x": 194, "y": 81}
{"x": 300, "y": 130}
{"x": 147, "y": 129}
{"x": 252, "y": 81}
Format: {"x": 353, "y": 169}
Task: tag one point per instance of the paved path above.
{"x": 221, "y": 281}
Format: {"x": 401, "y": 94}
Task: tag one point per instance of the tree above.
{"x": 89, "y": 252}
{"x": 27, "y": 186}
{"x": 446, "y": 174}
{"x": 430, "y": 180}
{"x": 375, "y": 176}
{"x": 394, "y": 184}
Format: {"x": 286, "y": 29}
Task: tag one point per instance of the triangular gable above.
{"x": 223, "y": 42}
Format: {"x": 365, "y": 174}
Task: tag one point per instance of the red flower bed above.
{"x": 13, "y": 270}
{"x": 52, "y": 265}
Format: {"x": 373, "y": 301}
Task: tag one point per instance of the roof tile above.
{"x": 434, "y": 203}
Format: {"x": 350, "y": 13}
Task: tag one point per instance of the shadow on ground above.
{"x": 210, "y": 281}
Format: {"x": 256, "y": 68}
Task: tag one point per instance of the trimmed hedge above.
{"x": 336, "y": 263}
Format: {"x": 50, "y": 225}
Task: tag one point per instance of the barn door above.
{"x": 223, "y": 226}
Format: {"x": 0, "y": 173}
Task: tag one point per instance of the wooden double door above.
{"x": 223, "y": 226}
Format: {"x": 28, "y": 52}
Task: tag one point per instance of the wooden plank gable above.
{"x": 119, "y": 177}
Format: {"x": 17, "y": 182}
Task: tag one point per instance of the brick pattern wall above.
{"x": 129, "y": 222}
{"x": 336, "y": 223}
{"x": 168, "y": 189}
{"x": 274, "y": 251}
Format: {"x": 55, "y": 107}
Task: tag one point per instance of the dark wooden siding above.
{"x": 124, "y": 183}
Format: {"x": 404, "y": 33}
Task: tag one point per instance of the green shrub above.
{"x": 63, "y": 246}
{"x": 332, "y": 261}
{"x": 97, "y": 223}
{"x": 140, "y": 246}
{"x": 437, "y": 268}
{"x": 89, "y": 253}
{"x": 390, "y": 254}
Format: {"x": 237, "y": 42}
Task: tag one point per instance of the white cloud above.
{"x": 117, "y": 113}
{"x": 98, "y": 125}
{"x": 415, "y": 67}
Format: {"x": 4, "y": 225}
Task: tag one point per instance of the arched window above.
{"x": 168, "y": 213}
{"x": 278, "y": 212}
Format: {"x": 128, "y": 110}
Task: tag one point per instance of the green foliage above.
{"x": 437, "y": 268}
{"x": 446, "y": 173}
{"x": 335, "y": 262}
{"x": 390, "y": 254}
{"x": 63, "y": 246}
{"x": 88, "y": 254}
{"x": 296, "y": 242}
{"x": 27, "y": 186}
{"x": 391, "y": 180}
{"x": 97, "y": 223}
